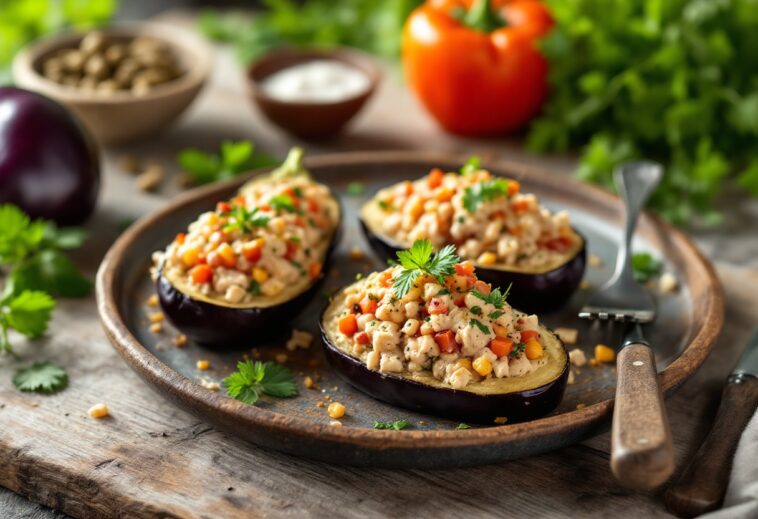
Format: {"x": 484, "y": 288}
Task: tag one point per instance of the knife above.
{"x": 702, "y": 485}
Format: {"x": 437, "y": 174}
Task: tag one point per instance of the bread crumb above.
{"x": 156, "y": 328}
{"x": 180, "y": 340}
{"x": 299, "y": 339}
{"x": 98, "y": 411}
{"x": 130, "y": 164}
{"x": 209, "y": 384}
{"x": 570, "y": 377}
{"x": 594, "y": 261}
{"x": 668, "y": 283}
{"x": 320, "y": 404}
{"x": 281, "y": 358}
{"x": 567, "y": 335}
{"x": 156, "y": 317}
{"x": 335, "y": 423}
{"x": 594, "y": 362}
{"x": 577, "y": 357}
{"x": 581, "y": 406}
{"x": 500, "y": 420}
{"x": 585, "y": 285}
{"x": 152, "y": 300}
{"x": 203, "y": 365}
{"x": 308, "y": 383}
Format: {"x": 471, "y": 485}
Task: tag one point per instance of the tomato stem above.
{"x": 482, "y": 17}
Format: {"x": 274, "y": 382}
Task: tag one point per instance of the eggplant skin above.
{"x": 225, "y": 327}
{"x": 454, "y": 404}
{"x": 531, "y": 293}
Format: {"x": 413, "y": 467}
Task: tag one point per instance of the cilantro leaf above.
{"x": 517, "y": 350}
{"x": 240, "y": 219}
{"x": 52, "y": 272}
{"x": 28, "y": 313}
{"x": 472, "y": 164}
{"x": 419, "y": 259}
{"x": 486, "y": 191}
{"x": 253, "y": 378}
{"x": 41, "y": 377}
{"x": 495, "y": 315}
{"x": 482, "y": 328}
{"x": 645, "y": 266}
{"x": 397, "y": 425}
{"x": 233, "y": 158}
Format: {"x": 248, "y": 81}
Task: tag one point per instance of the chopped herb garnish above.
{"x": 254, "y": 288}
{"x": 384, "y": 205}
{"x": 461, "y": 219}
{"x": 478, "y": 324}
{"x": 476, "y": 310}
{"x": 517, "y": 350}
{"x": 253, "y": 378}
{"x": 298, "y": 192}
{"x": 355, "y": 189}
{"x": 645, "y": 266}
{"x": 373, "y": 297}
{"x": 358, "y": 276}
{"x": 397, "y": 425}
{"x": 496, "y": 314}
{"x": 486, "y": 191}
{"x": 240, "y": 219}
{"x": 462, "y": 426}
{"x": 419, "y": 259}
{"x": 473, "y": 163}
{"x": 494, "y": 298}
{"x": 443, "y": 292}
{"x": 284, "y": 203}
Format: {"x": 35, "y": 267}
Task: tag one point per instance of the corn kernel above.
{"x": 487, "y": 258}
{"x": 180, "y": 340}
{"x": 308, "y": 383}
{"x": 156, "y": 328}
{"x": 227, "y": 254}
{"x": 152, "y": 300}
{"x": 604, "y": 353}
{"x": 320, "y": 404}
{"x": 533, "y": 349}
{"x": 260, "y": 275}
{"x": 336, "y": 410}
{"x": 190, "y": 257}
{"x": 98, "y": 411}
{"x": 156, "y": 317}
{"x": 464, "y": 363}
{"x": 483, "y": 366}
{"x": 203, "y": 365}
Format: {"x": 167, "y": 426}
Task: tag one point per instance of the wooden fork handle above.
{"x": 702, "y": 485}
{"x": 642, "y": 455}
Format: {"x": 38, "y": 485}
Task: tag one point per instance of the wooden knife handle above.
{"x": 642, "y": 455}
{"x": 701, "y": 486}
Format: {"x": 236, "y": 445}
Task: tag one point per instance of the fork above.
{"x": 642, "y": 455}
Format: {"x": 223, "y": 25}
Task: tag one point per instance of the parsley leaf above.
{"x": 495, "y": 315}
{"x": 240, "y": 219}
{"x": 419, "y": 259}
{"x": 476, "y": 310}
{"x": 495, "y": 297}
{"x": 472, "y": 164}
{"x": 645, "y": 266}
{"x": 232, "y": 159}
{"x": 253, "y": 378}
{"x": 517, "y": 350}
{"x": 485, "y": 191}
{"x": 284, "y": 203}
{"x": 462, "y": 426}
{"x": 482, "y": 328}
{"x": 41, "y": 377}
{"x": 397, "y": 425}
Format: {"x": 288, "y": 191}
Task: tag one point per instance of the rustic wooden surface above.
{"x": 152, "y": 459}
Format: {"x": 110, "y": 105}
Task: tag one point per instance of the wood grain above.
{"x": 642, "y": 455}
{"x": 702, "y": 485}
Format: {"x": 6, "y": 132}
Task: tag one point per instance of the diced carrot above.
{"x": 444, "y": 194}
{"x": 180, "y": 238}
{"x": 348, "y": 325}
{"x": 604, "y": 353}
{"x": 501, "y": 347}
{"x": 481, "y": 286}
{"x": 416, "y": 208}
{"x": 408, "y": 185}
{"x": 314, "y": 270}
{"x": 464, "y": 269}
{"x": 385, "y": 279}
{"x": 227, "y": 254}
{"x": 527, "y": 335}
{"x": 201, "y": 274}
{"x": 437, "y": 306}
{"x": 533, "y": 349}
{"x": 362, "y": 338}
{"x": 313, "y": 206}
{"x": 300, "y": 221}
{"x": 520, "y": 206}
{"x": 446, "y": 341}
{"x": 252, "y": 250}
{"x": 513, "y": 187}
{"x": 368, "y": 305}
{"x": 434, "y": 180}
{"x": 223, "y": 207}
{"x": 291, "y": 193}
{"x": 558, "y": 244}
{"x": 265, "y": 207}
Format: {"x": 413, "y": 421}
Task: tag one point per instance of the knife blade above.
{"x": 702, "y": 485}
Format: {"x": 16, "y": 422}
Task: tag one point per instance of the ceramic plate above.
{"x": 688, "y": 323}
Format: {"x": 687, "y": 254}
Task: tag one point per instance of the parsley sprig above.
{"x": 233, "y": 158}
{"x": 474, "y": 196}
{"x": 41, "y": 377}
{"x": 253, "y": 378}
{"x": 397, "y": 425}
{"x": 243, "y": 220}
{"x": 472, "y": 164}
{"x": 27, "y": 312}
{"x": 419, "y": 260}
{"x": 496, "y": 298}
{"x": 284, "y": 203}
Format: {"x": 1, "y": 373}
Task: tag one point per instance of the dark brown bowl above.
{"x": 310, "y": 120}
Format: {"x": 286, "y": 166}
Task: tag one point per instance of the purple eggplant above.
{"x": 532, "y": 292}
{"x": 516, "y": 399}
{"x": 49, "y": 165}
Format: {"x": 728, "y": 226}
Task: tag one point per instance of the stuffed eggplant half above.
{"x": 510, "y": 237}
{"x": 251, "y": 264}
{"x": 429, "y": 336}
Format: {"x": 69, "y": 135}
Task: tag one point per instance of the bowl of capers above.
{"x": 124, "y": 82}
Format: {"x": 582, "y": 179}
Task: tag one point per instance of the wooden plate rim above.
{"x": 231, "y": 411}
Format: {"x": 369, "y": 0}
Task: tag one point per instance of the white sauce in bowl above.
{"x": 318, "y": 81}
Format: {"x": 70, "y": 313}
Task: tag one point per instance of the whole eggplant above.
{"x": 49, "y": 165}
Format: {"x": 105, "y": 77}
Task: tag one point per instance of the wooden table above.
{"x": 151, "y": 458}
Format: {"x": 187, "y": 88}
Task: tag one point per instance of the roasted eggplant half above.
{"x": 440, "y": 341}
{"x": 508, "y": 235}
{"x": 248, "y": 267}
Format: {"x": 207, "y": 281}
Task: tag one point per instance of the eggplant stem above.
{"x": 292, "y": 165}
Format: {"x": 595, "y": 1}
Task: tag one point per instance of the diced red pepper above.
{"x": 460, "y": 300}
{"x": 529, "y": 334}
{"x": 291, "y": 251}
{"x": 314, "y": 270}
{"x": 201, "y": 274}
{"x": 368, "y": 305}
{"x": 348, "y": 325}
{"x": 501, "y": 347}
{"x": 435, "y": 178}
{"x": 223, "y": 207}
{"x": 180, "y": 238}
{"x": 362, "y": 338}
{"x": 313, "y": 206}
{"x": 558, "y": 244}
{"x": 437, "y": 306}
{"x": 446, "y": 341}
{"x": 464, "y": 269}
{"x": 252, "y": 252}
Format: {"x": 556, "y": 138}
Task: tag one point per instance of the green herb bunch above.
{"x": 667, "y": 80}
{"x": 233, "y": 158}
{"x": 419, "y": 260}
